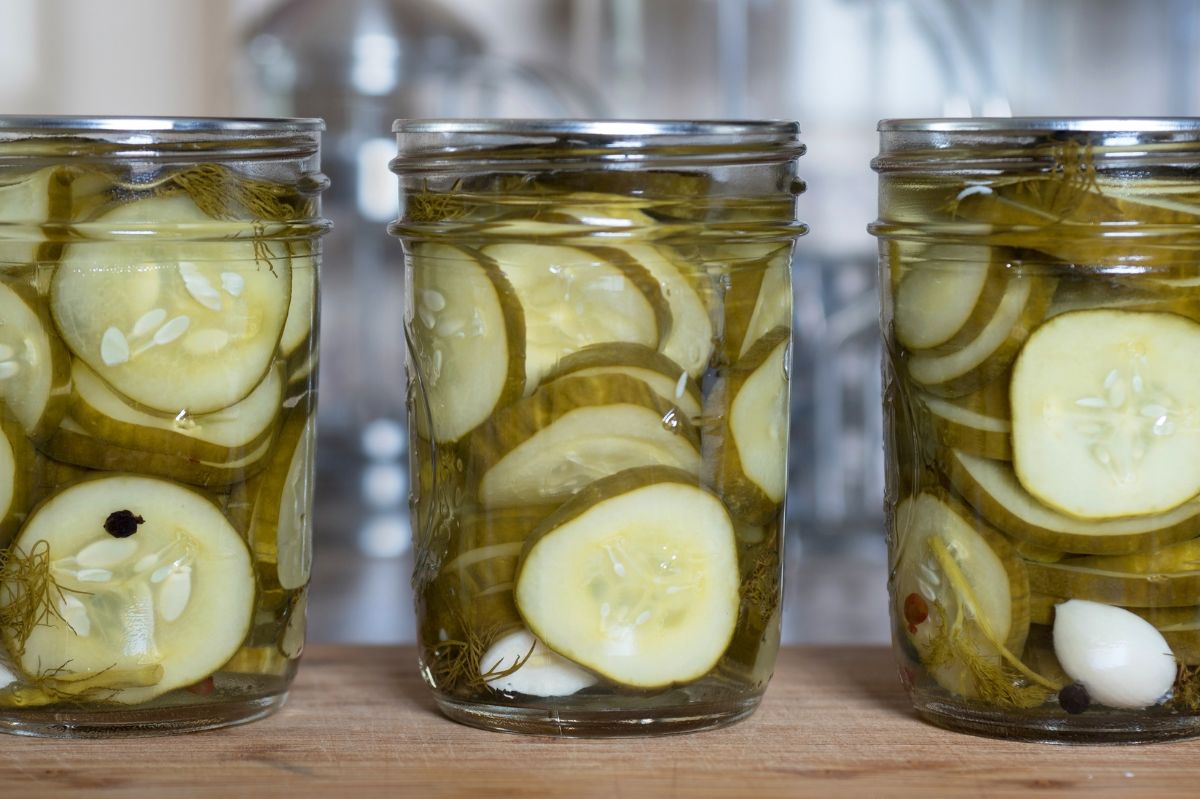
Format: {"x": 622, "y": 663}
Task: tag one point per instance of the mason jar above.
{"x": 599, "y": 327}
{"x": 158, "y": 305}
{"x": 1041, "y": 324}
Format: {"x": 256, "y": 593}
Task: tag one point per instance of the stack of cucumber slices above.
{"x": 155, "y": 432}
{"x": 1053, "y": 410}
{"x": 608, "y": 417}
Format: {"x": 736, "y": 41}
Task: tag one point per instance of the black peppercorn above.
{"x": 1074, "y": 698}
{"x": 122, "y": 523}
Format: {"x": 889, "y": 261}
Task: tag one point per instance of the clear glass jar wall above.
{"x": 1041, "y": 322}
{"x": 158, "y": 306}
{"x": 599, "y": 329}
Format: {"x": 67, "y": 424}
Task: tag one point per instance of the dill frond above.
{"x": 29, "y": 594}
{"x": 1186, "y": 696}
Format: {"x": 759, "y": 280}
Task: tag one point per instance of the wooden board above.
{"x": 360, "y": 723}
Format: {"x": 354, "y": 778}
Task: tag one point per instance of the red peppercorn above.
{"x": 202, "y": 688}
{"x": 915, "y": 610}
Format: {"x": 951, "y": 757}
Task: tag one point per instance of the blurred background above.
{"x": 837, "y": 66}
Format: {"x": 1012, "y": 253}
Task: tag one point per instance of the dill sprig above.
{"x": 428, "y": 206}
{"x": 996, "y": 676}
{"x": 1052, "y": 195}
{"x": 1186, "y": 695}
{"x": 29, "y": 594}
{"x": 457, "y": 663}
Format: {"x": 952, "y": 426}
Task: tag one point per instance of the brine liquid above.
{"x": 1036, "y": 452}
{"x": 172, "y": 341}
{"x": 602, "y": 388}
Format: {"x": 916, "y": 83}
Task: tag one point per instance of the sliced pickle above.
{"x": 302, "y": 302}
{"x": 172, "y": 325}
{"x": 978, "y": 424}
{"x": 572, "y": 299}
{"x": 1058, "y": 212}
{"x": 635, "y": 578}
{"x": 468, "y": 329}
{"x": 961, "y": 595}
{"x": 151, "y": 590}
{"x": 689, "y": 338}
{"x": 280, "y": 532}
{"x": 1106, "y": 413}
{"x": 1128, "y": 589}
{"x": 573, "y": 431}
{"x": 1132, "y": 293}
{"x": 1041, "y": 611}
{"x": 74, "y": 445}
{"x": 989, "y": 354}
{"x": 667, "y": 379}
{"x": 947, "y": 296}
{"x": 483, "y": 555}
{"x": 748, "y": 444}
{"x": 24, "y": 206}
{"x": 758, "y": 296}
{"x": 16, "y": 468}
{"x": 222, "y": 436}
{"x": 993, "y": 489}
{"x": 35, "y": 370}
{"x": 1170, "y": 559}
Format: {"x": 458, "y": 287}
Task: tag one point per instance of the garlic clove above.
{"x": 541, "y": 672}
{"x": 1122, "y": 660}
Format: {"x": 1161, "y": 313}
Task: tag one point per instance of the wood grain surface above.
{"x": 360, "y": 723}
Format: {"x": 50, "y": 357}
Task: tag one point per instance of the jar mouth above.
{"x": 53, "y": 139}
{"x": 446, "y": 146}
{"x": 1040, "y": 124}
{"x": 603, "y": 128}
{"x": 155, "y": 124}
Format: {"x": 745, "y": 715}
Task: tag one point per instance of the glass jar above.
{"x": 158, "y": 306}
{"x": 599, "y": 327}
{"x": 1041, "y": 324}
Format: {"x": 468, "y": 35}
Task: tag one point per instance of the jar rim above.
{"x": 1039, "y": 124}
{"x": 159, "y": 124}
{"x": 603, "y": 128}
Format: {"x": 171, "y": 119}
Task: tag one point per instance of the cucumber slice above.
{"x": 989, "y": 354}
{"x": 483, "y": 556}
{"x": 947, "y": 296}
{"x": 993, "y": 489}
{"x": 76, "y": 446}
{"x": 758, "y": 297}
{"x": 1167, "y": 617}
{"x": 466, "y": 328}
{"x": 526, "y": 666}
{"x": 135, "y": 616}
{"x": 281, "y": 523}
{"x": 1075, "y": 579}
{"x": 573, "y": 431}
{"x": 1171, "y": 559}
{"x": 746, "y": 448}
{"x": 975, "y": 424}
{"x": 16, "y": 468}
{"x": 1106, "y": 413}
{"x": 35, "y": 370}
{"x": 959, "y": 592}
{"x": 173, "y": 325}
{"x": 302, "y": 302}
{"x": 689, "y": 338}
{"x": 636, "y": 578}
{"x": 1058, "y": 213}
{"x": 665, "y": 377}
{"x": 24, "y": 205}
{"x": 225, "y": 435}
{"x": 572, "y": 299}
